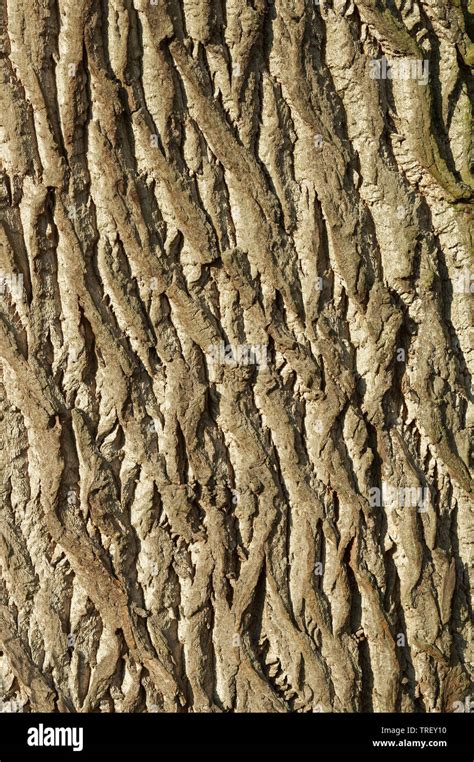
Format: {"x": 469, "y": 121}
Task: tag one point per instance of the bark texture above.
{"x": 289, "y": 529}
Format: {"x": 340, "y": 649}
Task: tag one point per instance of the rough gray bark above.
{"x": 184, "y": 532}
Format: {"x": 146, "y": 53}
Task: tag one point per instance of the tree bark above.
{"x": 236, "y": 370}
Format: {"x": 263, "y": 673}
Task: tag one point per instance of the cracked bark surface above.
{"x": 185, "y": 535}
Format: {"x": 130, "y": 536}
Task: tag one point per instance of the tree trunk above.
{"x": 235, "y": 303}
